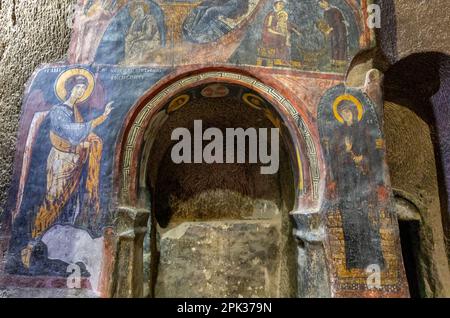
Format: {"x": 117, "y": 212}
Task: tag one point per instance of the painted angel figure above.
{"x": 73, "y": 164}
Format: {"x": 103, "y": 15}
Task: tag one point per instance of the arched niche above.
{"x": 298, "y": 124}
{"x": 134, "y": 189}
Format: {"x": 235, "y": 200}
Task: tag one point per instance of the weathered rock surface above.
{"x": 414, "y": 177}
{"x": 226, "y": 259}
{"x": 31, "y": 33}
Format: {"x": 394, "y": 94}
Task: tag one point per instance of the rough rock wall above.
{"x": 414, "y": 37}
{"x": 422, "y": 26}
{"x": 413, "y": 26}
{"x": 414, "y": 177}
{"x": 31, "y": 33}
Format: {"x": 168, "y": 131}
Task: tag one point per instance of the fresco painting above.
{"x": 74, "y": 147}
{"x": 276, "y": 37}
{"x": 213, "y": 19}
{"x": 63, "y": 201}
{"x": 144, "y": 35}
{"x": 319, "y": 35}
{"x": 307, "y": 35}
{"x": 93, "y": 20}
{"x": 360, "y": 153}
{"x": 66, "y": 168}
{"x": 358, "y": 194}
{"x": 137, "y": 32}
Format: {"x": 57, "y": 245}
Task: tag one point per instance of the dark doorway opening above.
{"x": 409, "y": 236}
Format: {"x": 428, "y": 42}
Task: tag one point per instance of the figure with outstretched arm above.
{"x": 75, "y": 148}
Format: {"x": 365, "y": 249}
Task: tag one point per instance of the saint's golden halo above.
{"x": 60, "y": 86}
{"x": 350, "y": 98}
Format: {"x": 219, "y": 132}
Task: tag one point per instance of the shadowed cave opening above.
{"x": 415, "y": 92}
{"x": 219, "y": 230}
{"x": 409, "y": 236}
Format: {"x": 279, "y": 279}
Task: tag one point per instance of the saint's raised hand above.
{"x": 108, "y": 109}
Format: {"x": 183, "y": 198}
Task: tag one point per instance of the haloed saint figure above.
{"x": 73, "y": 164}
{"x": 355, "y": 157}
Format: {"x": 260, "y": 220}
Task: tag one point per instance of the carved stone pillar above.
{"x": 131, "y": 227}
{"x": 313, "y": 278}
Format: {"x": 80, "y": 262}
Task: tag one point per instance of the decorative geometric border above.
{"x": 176, "y": 87}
